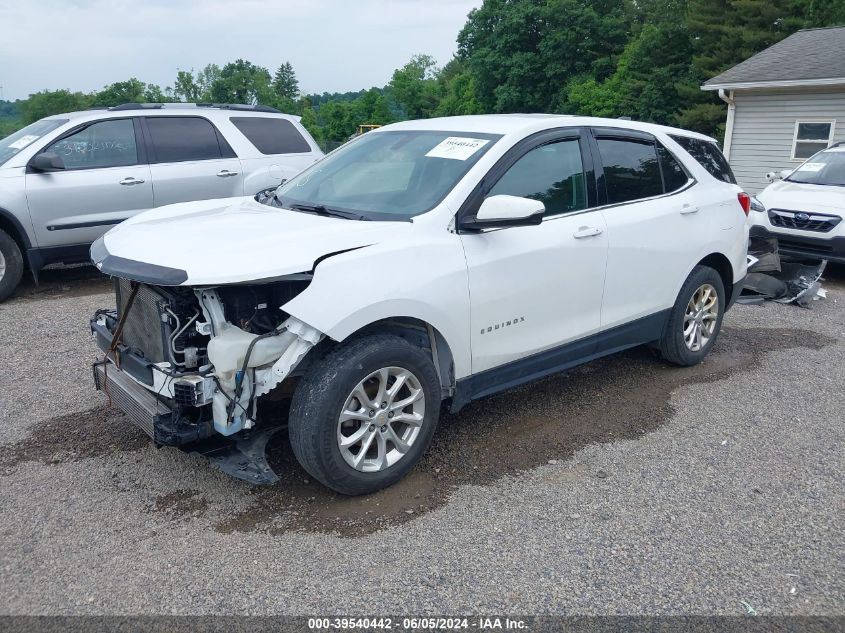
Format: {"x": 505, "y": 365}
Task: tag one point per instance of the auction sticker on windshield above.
{"x": 457, "y": 147}
{"x": 811, "y": 167}
{"x": 23, "y": 141}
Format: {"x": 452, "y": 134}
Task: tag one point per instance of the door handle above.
{"x": 689, "y": 208}
{"x": 132, "y": 181}
{"x": 586, "y": 231}
{"x": 225, "y": 173}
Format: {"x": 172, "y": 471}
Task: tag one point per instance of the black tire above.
{"x": 322, "y": 393}
{"x": 13, "y": 259}
{"x": 672, "y": 345}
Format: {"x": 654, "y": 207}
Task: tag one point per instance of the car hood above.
{"x": 796, "y": 196}
{"x": 227, "y": 241}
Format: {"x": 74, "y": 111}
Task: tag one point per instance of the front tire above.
{"x": 363, "y": 416}
{"x": 11, "y": 265}
{"x": 696, "y": 318}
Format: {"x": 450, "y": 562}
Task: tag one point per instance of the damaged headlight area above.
{"x": 191, "y": 365}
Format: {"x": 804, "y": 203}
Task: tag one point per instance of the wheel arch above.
{"x": 421, "y": 334}
{"x": 722, "y": 265}
{"x": 11, "y": 225}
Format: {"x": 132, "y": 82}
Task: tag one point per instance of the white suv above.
{"x": 427, "y": 261}
{"x": 67, "y": 178}
{"x": 804, "y": 210}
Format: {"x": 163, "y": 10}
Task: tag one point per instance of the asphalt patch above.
{"x": 68, "y": 438}
{"x": 619, "y": 397}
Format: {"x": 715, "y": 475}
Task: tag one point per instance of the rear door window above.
{"x": 271, "y": 135}
{"x": 631, "y": 169}
{"x": 178, "y": 139}
{"x": 674, "y": 175}
{"x": 708, "y": 156}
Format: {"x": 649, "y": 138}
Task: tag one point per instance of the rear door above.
{"x": 190, "y": 160}
{"x": 105, "y": 180}
{"x": 656, "y": 226}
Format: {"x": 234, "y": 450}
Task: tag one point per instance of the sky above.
{"x": 333, "y": 45}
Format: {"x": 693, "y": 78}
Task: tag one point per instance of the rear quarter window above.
{"x": 709, "y": 156}
{"x": 272, "y": 136}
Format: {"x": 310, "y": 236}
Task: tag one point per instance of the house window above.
{"x": 811, "y": 137}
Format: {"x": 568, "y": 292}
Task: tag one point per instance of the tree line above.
{"x": 640, "y": 58}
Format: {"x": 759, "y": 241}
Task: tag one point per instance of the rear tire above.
{"x": 696, "y": 318}
{"x": 11, "y": 265}
{"x": 351, "y": 433}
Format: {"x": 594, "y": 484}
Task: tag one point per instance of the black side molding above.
{"x": 82, "y": 225}
{"x": 643, "y": 330}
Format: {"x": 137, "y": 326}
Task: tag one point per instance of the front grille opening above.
{"x": 816, "y": 222}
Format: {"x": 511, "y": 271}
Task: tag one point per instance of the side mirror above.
{"x": 502, "y": 211}
{"x": 47, "y": 161}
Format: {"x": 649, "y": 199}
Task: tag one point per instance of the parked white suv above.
{"x": 66, "y": 179}
{"x": 804, "y": 208}
{"x": 427, "y": 261}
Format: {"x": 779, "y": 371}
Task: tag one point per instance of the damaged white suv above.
{"x": 427, "y": 261}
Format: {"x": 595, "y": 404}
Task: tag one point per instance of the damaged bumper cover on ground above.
{"x": 190, "y": 378}
{"x": 772, "y": 276}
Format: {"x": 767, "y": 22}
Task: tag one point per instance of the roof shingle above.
{"x": 810, "y": 54}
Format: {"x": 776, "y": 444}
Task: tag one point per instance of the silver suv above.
{"x": 66, "y": 179}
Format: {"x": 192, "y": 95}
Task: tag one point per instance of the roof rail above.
{"x": 240, "y": 106}
{"x": 222, "y": 106}
{"x": 136, "y": 106}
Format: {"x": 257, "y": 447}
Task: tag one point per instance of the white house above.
{"x": 784, "y": 104}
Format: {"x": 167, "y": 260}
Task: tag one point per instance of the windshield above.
{"x": 825, "y": 168}
{"x": 387, "y": 175}
{"x": 14, "y": 143}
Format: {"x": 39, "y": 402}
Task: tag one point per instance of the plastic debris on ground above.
{"x": 781, "y": 278}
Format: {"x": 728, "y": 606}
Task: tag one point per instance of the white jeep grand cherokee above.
{"x": 427, "y": 261}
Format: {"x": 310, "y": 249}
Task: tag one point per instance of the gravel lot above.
{"x": 624, "y": 487}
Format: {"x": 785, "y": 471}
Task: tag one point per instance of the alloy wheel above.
{"x": 700, "y": 317}
{"x": 381, "y": 419}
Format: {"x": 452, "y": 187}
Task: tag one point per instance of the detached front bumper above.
{"x": 831, "y": 249}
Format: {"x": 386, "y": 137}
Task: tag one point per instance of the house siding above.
{"x": 764, "y": 125}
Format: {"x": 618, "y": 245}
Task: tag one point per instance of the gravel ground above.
{"x": 624, "y": 487}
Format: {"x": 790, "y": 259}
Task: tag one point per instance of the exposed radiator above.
{"x": 143, "y": 328}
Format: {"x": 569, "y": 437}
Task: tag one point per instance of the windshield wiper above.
{"x": 321, "y": 209}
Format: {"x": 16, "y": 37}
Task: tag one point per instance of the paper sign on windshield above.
{"x": 23, "y": 141}
{"x": 811, "y": 167}
{"x": 457, "y": 147}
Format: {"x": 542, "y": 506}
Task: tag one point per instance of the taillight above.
{"x": 744, "y": 201}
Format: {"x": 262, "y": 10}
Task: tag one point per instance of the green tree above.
{"x": 644, "y": 83}
{"x": 242, "y": 82}
{"x": 414, "y": 87}
{"x": 520, "y": 53}
{"x": 727, "y": 32}
{"x": 185, "y": 88}
{"x": 129, "y": 91}
{"x": 337, "y": 120}
{"x": 457, "y": 91}
{"x": 47, "y": 102}
{"x": 285, "y": 84}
